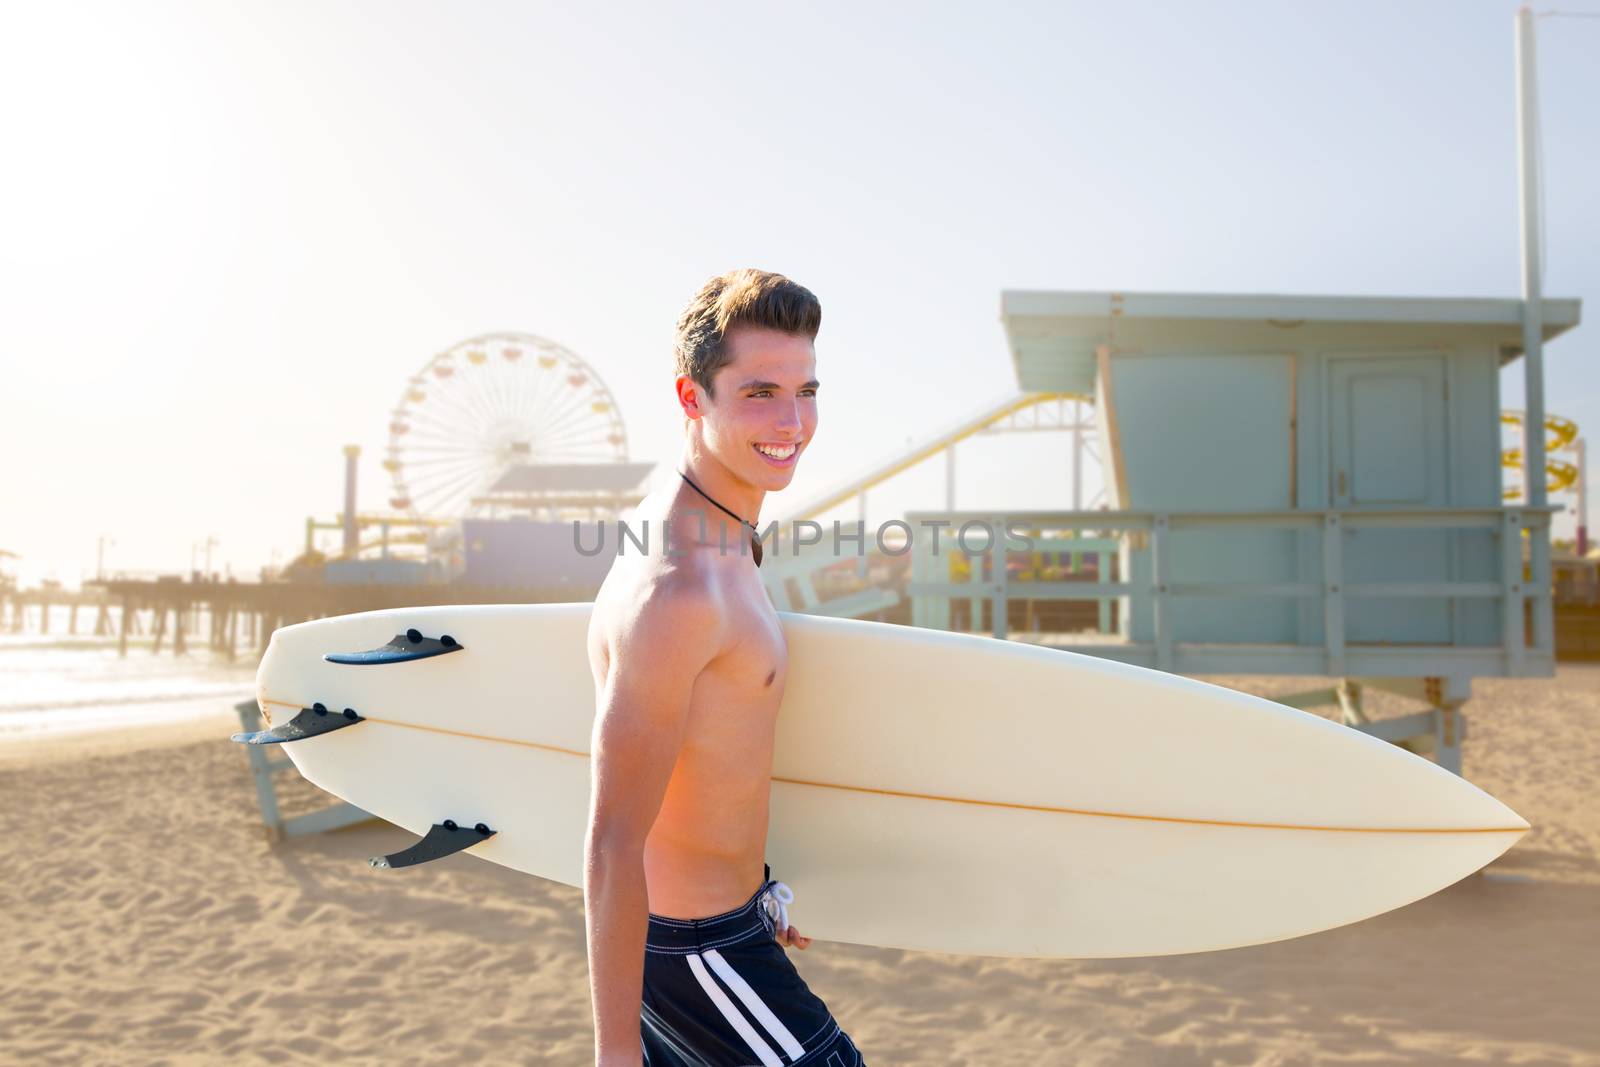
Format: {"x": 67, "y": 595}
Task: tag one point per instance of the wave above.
{"x": 108, "y": 701}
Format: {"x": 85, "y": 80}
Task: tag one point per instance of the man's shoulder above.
{"x": 665, "y": 596}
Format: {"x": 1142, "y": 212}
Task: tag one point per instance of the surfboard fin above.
{"x": 405, "y": 647}
{"x": 310, "y": 722}
{"x": 442, "y": 839}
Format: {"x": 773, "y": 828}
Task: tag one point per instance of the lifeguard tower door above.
{"x": 1389, "y": 448}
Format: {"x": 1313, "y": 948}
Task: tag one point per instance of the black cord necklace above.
{"x": 755, "y": 537}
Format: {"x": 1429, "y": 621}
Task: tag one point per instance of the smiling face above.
{"x": 763, "y": 410}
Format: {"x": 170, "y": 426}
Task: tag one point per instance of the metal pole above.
{"x": 950, "y": 477}
{"x": 1583, "y": 501}
{"x": 352, "y": 535}
{"x": 861, "y": 511}
{"x": 1532, "y": 285}
{"x": 1077, "y": 455}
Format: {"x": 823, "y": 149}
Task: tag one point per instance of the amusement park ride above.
{"x": 489, "y": 404}
{"x": 1561, "y": 476}
{"x": 503, "y": 424}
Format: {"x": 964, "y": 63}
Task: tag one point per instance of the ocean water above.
{"x": 54, "y": 683}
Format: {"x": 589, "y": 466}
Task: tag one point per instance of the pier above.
{"x": 232, "y": 616}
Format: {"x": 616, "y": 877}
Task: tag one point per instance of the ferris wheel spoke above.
{"x": 429, "y": 476}
{"x": 470, "y": 404}
{"x": 570, "y": 416}
{"x": 433, "y": 429}
{"x": 436, "y": 482}
{"x": 556, "y": 383}
{"x": 568, "y": 408}
{"x": 546, "y": 398}
{"x": 494, "y": 391}
{"x": 445, "y": 466}
{"x": 582, "y": 428}
{"x": 554, "y": 450}
{"x": 435, "y": 432}
{"x": 527, "y": 387}
{"x": 562, "y": 451}
{"x": 432, "y": 426}
{"x": 509, "y": 382}
{"x": 459, "y": 390}
{"x": 537, "y": 395}
{"x": 456, "y": 405}
{"x": 489, "y": 385}
{"x": 476, "y": 455}
{"x": 460, "y": 420}
{"x": 547, "y": 432}
{"x": 439, "y": 442}
{"x": 427, "y": 495}
{"x": 549, "y": 439}
{"x": 559, "y": 384}
{"x": 442, "y": 446}
{"x": 443, "y": 462}
{"x": 580, "y": 450}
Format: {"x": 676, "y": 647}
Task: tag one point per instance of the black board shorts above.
{"x": 721, "y": 992}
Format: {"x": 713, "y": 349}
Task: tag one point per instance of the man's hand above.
{"x": 792, "y": 938}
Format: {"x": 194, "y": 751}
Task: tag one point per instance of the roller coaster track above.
{"x": 976, "y": 423}
{"x": 1560, "y": 474}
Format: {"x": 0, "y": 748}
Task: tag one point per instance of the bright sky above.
{"x": 230, "y": 232}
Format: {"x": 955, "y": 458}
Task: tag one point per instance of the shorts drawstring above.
{"x": 775, "y": 900}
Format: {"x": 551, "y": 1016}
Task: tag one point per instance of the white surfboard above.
{"x": 930, "y": 790}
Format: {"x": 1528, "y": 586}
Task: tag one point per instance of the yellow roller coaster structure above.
{"x": 1562, "y": 433}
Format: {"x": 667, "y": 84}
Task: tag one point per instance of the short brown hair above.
{"x": 746, "y": 297}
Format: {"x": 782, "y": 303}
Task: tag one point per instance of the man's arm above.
{"x": 639, "y": 726}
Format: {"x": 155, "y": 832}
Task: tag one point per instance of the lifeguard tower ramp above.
{"x": 1298, "y": 485}
{"x": 790, "y": 575}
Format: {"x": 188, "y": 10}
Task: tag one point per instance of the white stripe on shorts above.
{"x": 762, "y": 1050}
{"x": 757, "y": 1007}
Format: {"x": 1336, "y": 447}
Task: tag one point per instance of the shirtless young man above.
{"x": 686, "y": 931}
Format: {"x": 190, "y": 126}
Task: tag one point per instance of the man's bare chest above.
{"x": 753, "y": 667}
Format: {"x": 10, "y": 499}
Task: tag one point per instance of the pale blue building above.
{"x": 1296, "y": 486}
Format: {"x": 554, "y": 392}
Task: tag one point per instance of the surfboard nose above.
{"x": 1511, "y": 816}
{"x": 1473, "y": 807}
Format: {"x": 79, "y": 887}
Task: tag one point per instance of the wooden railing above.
{"x": 1516, "y": 590}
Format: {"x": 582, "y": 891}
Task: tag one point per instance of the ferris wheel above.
{"x": 488, "y": 404}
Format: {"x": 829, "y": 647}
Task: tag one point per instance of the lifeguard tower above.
{"x": 1296, "y": 485}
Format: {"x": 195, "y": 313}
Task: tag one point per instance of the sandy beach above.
{"x": 149, "y": 921}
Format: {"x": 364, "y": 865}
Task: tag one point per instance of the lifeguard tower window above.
{"x": 1390, "y": 448}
